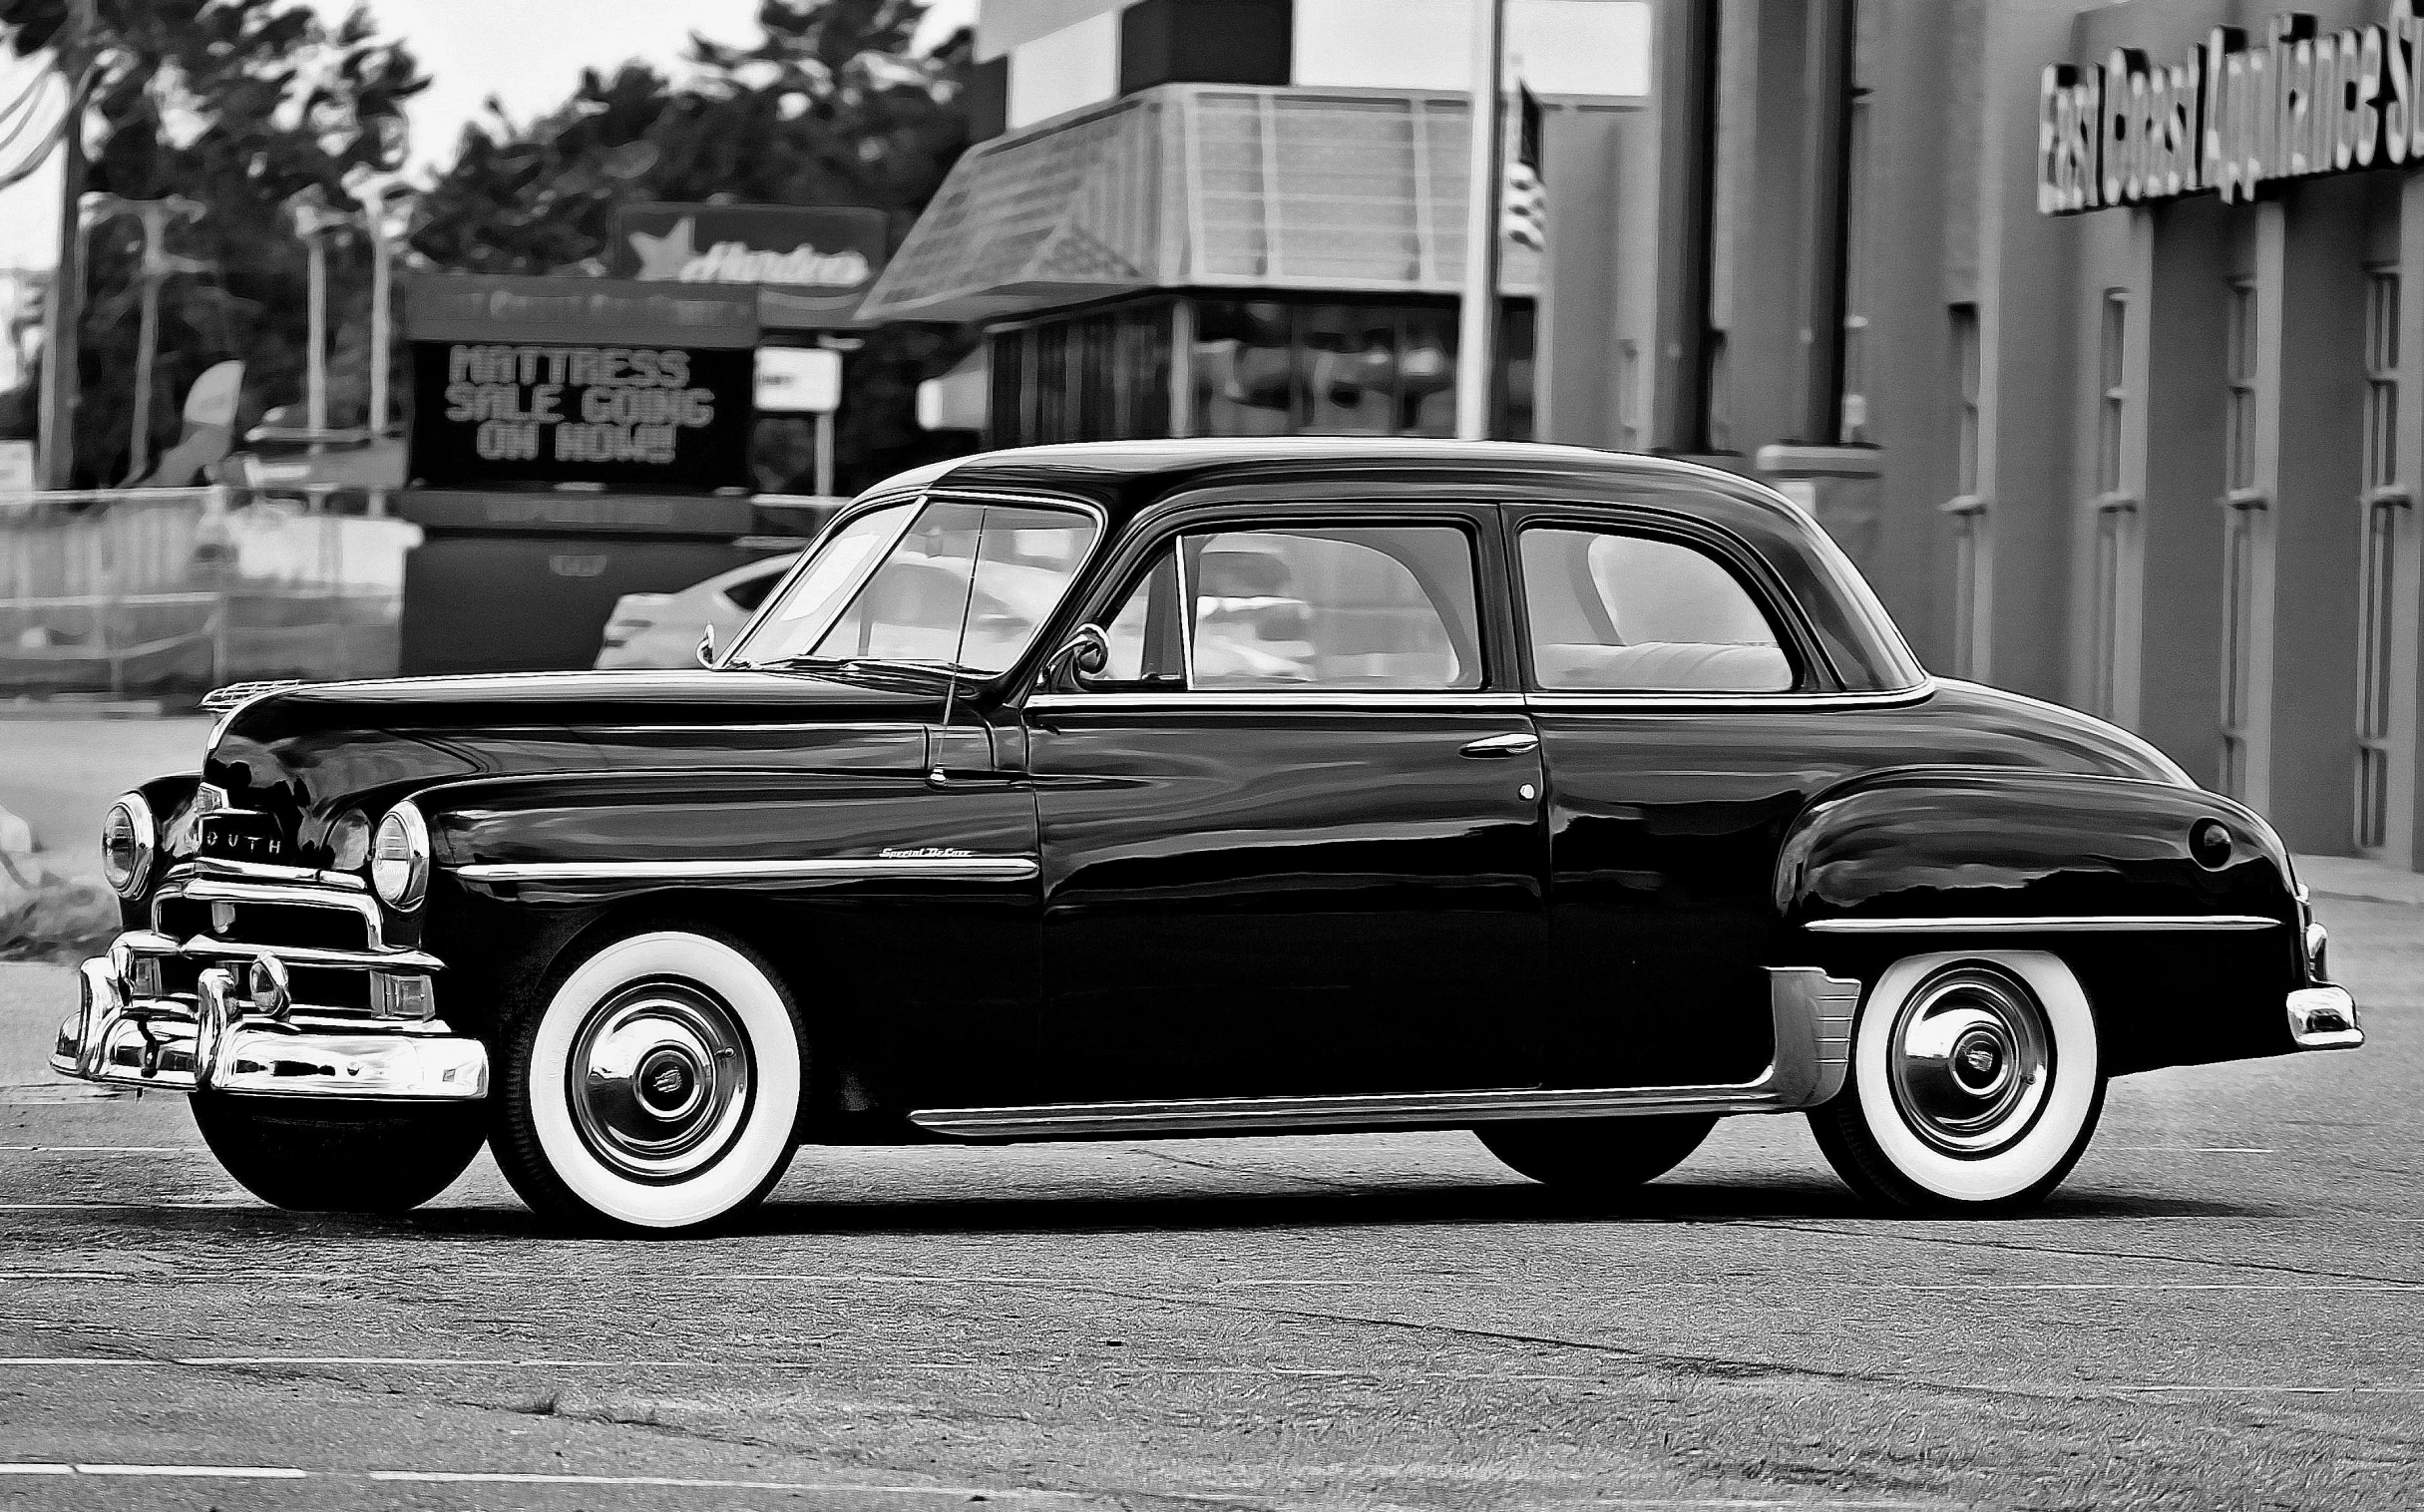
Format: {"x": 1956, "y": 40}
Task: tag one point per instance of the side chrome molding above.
{"x": 848, "y": 868}
{"x": 1812, "y": 1014}
{"x": 2044, "y": 923}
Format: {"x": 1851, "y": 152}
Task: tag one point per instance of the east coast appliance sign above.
{"x": 579, "y": 380}
{"x": 2238, "y": 112}
{"x": 813, "y": 262}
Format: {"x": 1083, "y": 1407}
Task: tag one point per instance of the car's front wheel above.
{"x": 1975, "y": 1084}
{"x": 1598, "y": 1157}
{"x": 321, "y": 1156}
{"x": 655, "y": 1085}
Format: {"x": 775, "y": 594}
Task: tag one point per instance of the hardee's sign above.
{"x": 2235, "y": 113}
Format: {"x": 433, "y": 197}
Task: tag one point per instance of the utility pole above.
{"x": 156, "y": 215}
{"x": 383, "y": 271}
{"x": 75, "y": 49}
{"x": 1485, "y": 190}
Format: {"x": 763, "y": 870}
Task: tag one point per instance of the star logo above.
{"x": 667, "y": 255}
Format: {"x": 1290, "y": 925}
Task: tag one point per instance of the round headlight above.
{"x": 399, "y": 856}
{"x": 127, "y": 840}
{"x": 350, "y": 841}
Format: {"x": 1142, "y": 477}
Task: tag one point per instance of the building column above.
{"x": 2405, "y": 833}
{"x": 2250, "y": 532}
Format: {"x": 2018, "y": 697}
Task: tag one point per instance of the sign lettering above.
{"x": 2235, "y": 113}
{"x": 643, "y": 417}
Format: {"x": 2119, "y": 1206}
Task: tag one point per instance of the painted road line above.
{"x": 510, "y": 1478}
{"x": 672, "y": 1482}
{"x": 105, "y": 1149}
{"x": 201, "y": 1472}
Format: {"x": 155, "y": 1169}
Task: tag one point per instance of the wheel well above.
{"x": 835, "y": 1048}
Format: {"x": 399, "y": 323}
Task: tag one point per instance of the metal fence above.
{"x": 165, "y": 590}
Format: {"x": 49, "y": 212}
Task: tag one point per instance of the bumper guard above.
{"x": 222, "y": 1042}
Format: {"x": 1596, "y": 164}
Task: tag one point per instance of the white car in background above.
{"x": 661, "y": 630}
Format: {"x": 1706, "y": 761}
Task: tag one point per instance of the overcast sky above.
{"x": 527, "y": 53}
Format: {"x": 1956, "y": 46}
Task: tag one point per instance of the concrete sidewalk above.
{"x": 2363, "y": 880}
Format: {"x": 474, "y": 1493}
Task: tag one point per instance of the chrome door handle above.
{"x": 1519, "y": 744}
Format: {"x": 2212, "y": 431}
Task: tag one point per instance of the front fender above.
{"x": 1871, "y": 868}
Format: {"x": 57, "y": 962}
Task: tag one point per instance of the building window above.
{"x": 2239, "y": 421}
{"x": 2241, "y": 540}
{"x": 1628, "y": 396}
{"x": 2112, "y": 394}
{"x": 2114, "y": 508}
{"x": 1721, "y": 394}
{"x": 1103, "y": 376}
{"x": 2382, "y": 503}
{"x": 1280, "y": 368}
{"x": 1968, "y": 508}
{"x": 1857, "y": 424}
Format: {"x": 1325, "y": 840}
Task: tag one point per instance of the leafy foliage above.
{"x": 236, "y": 105}
{"x": 829, "y": 107}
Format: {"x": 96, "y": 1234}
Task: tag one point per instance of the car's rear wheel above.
{"x": 319, "y": 1156}
{"x": 654, "y": 1085}
{"x": 1975, "y": 1084}
{"x": 1598, "y": 1157}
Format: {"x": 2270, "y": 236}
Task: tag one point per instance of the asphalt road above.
{"x": 2224, "y": 1307}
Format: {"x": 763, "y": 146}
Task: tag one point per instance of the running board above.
{"x": 1813, "y": 1013}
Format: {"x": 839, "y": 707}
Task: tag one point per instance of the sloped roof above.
{"x": 1199, "y": 185}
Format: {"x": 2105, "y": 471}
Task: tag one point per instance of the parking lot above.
{"x": 2224, "y": 1307}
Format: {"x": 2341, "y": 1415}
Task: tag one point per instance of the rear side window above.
{"x": 1612, "y": 612}
{"x": 1311, "y": 608}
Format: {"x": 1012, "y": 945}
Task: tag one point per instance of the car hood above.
{"x": 306, "y": 754}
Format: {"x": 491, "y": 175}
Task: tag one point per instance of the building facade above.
{"x": 2140, "y": 440}
{"x": 2128, "y": 398}
{"x": 1238, "y": 218}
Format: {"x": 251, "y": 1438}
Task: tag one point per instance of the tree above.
{"x": 236, "y": 103}
{"x": 831, "y": 106}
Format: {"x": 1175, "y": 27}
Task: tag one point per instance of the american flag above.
{"x": 1524, "y": 220}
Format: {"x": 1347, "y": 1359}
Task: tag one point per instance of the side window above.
{"x": 1373, "y": 607}
{"x": 1630, "y": 613}
{"x": 1333, "y": 608}
{"x": 1147, "y": 648}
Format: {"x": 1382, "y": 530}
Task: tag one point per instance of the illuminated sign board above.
{"x": 583, "y": 381}
{"x": 2237, "y": 113}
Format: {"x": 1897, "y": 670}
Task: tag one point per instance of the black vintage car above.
{"x": 1188, "y": 788}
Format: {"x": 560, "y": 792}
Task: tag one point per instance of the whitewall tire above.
{"x": 657, "y": 1085}
{"x": 1975, "y": 1084}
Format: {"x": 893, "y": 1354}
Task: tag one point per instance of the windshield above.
{"x": 949, "y": 584}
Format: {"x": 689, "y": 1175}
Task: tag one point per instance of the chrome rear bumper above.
{"x": 2324, "y": 1018}
{"x": 221, "y": 1043}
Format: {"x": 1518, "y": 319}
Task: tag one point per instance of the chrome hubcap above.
{"x": 659, "y": 1080}
{"x": 1970, "y": 1061}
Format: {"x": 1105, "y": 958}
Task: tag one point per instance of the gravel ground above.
{"x": 2223, "y": 1309}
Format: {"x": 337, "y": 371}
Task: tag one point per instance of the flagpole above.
{"x": 1478, "y": 319}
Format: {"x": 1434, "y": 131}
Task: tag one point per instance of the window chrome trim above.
{"x": 916, "y": 503}
{"x": 2044, "y": 923}
{"x": 1213, "y": 700}
{"x": 1651, "y": 700}
{"x": 849, "y": 869}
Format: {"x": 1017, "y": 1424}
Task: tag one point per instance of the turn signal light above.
{"x": 395, "y": 996}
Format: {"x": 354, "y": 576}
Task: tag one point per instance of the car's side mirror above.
{"x": 1086, "y": 654}
{"x": 707, "y": 646}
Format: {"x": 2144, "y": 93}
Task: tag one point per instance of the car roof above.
{"x": 1125, "y": 478}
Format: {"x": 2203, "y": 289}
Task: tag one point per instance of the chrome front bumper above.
{"x": 224, "y": 1042}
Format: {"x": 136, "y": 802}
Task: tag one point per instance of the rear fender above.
{"x": 1891, "y": 853}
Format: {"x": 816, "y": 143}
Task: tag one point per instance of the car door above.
{"x": 1670, "y": 685}
{"x": 1293, "y": 835}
